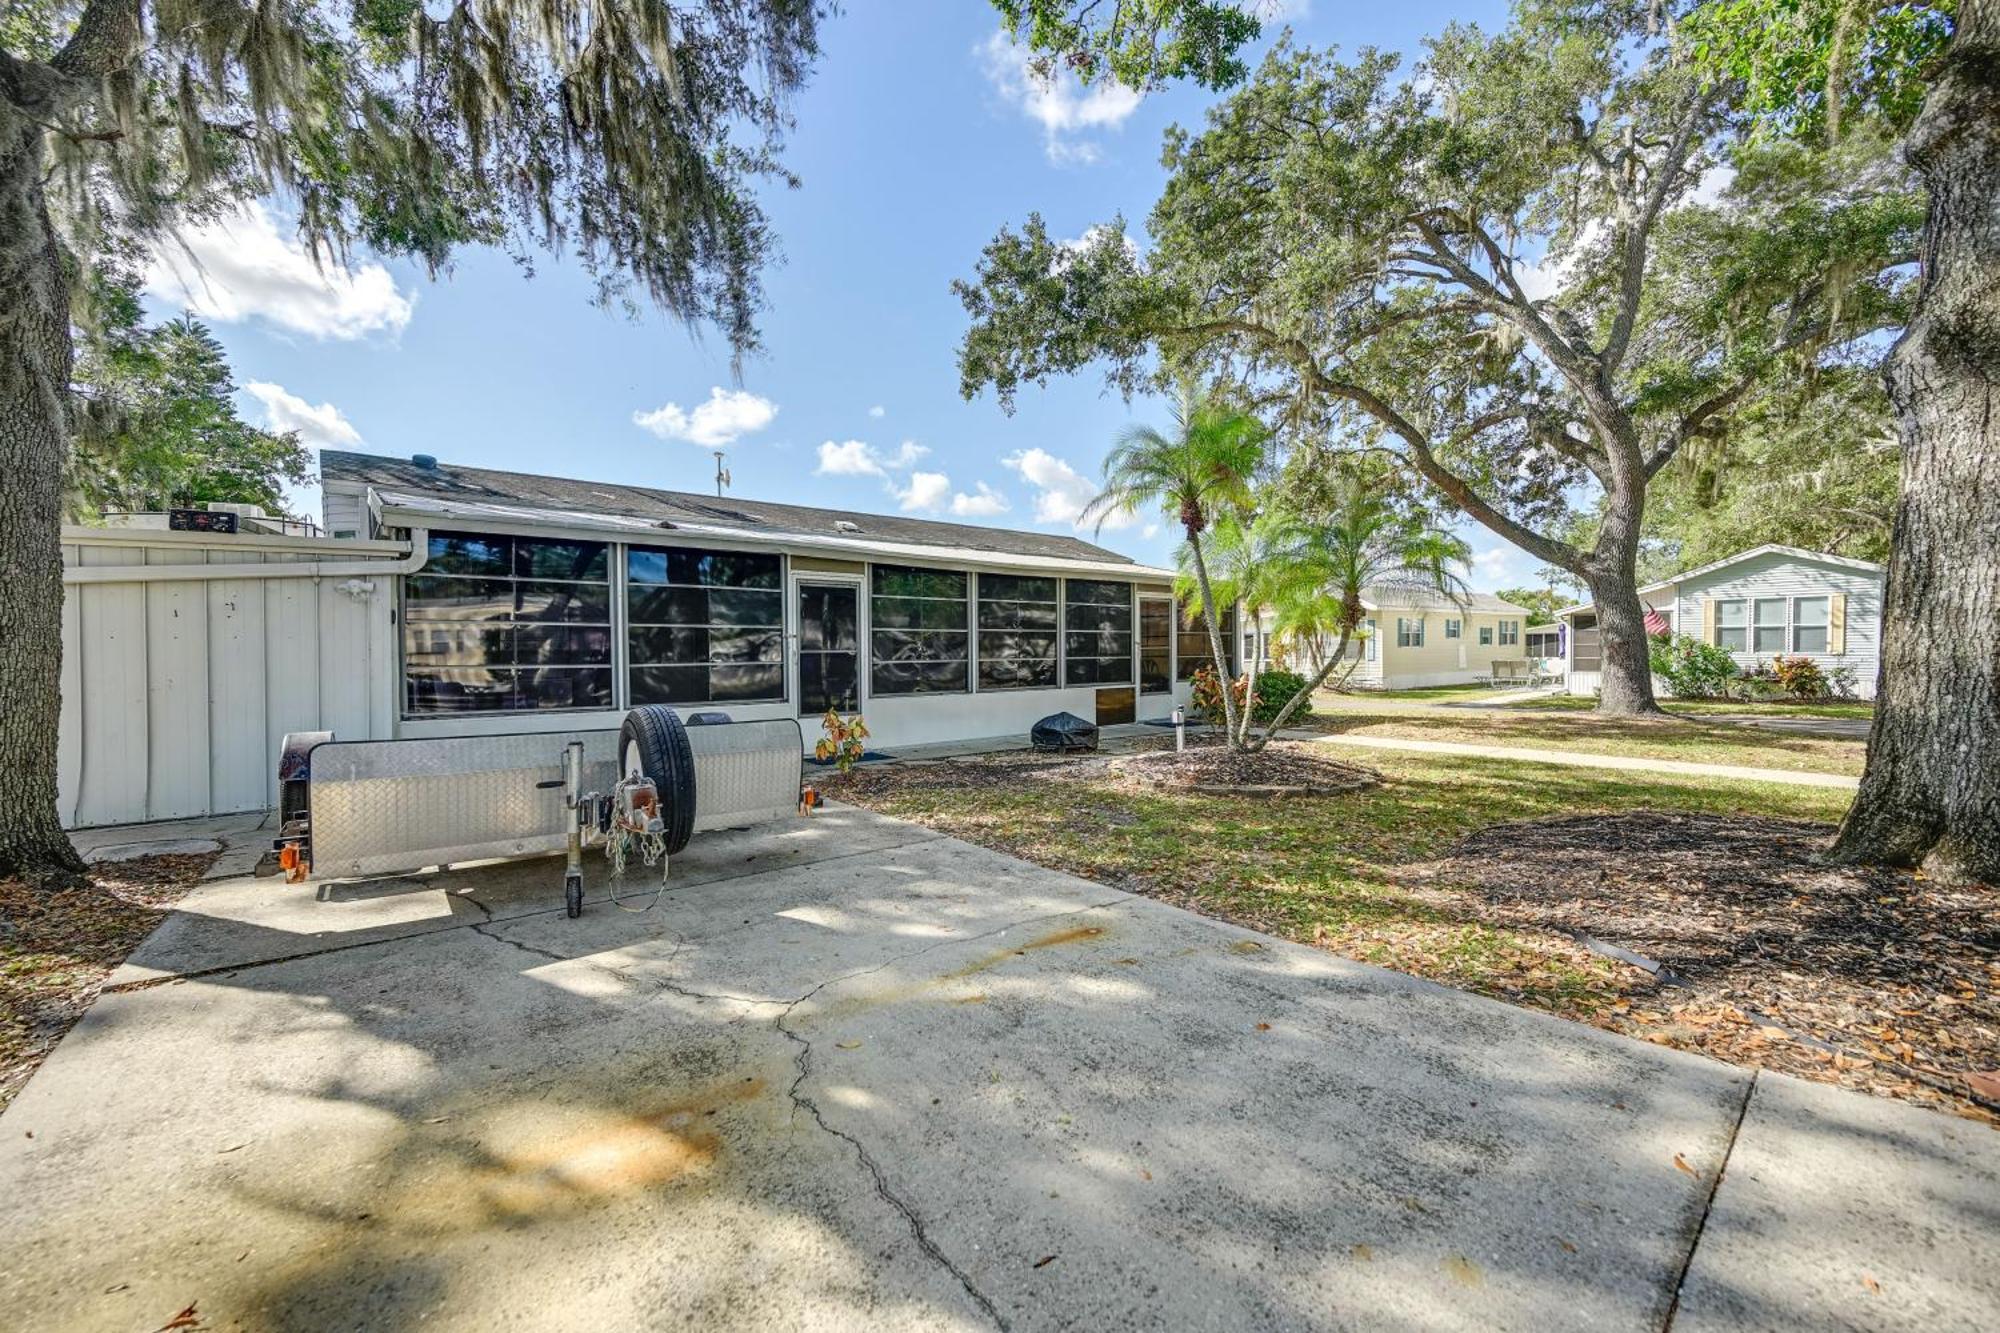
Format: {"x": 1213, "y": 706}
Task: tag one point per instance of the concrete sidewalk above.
{"x": 1580, "y": 759}
{"x": 849, "y": 1073}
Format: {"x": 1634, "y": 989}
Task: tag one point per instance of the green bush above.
{"x": 1691, "y": 668}
{"x": 1275, "y": 689}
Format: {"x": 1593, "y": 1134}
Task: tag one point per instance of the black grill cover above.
{"x": 1064, "y": 731}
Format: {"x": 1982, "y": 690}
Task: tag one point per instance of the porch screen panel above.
{"x": 704, "y": 626}
{"x": 1192, "y": 650}
{"x": 1097, "y": 632}
{"x": 919, "y": 637}
{"x": 495, "y": 623}
{"x": 1017, "y": 632}
{"x": 1156, "y": 638}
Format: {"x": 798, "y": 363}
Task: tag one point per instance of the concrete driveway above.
{"x": 852, "y": 1074}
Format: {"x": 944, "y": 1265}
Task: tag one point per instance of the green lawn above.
{"x": 1688, "y": 739}
{"x": 1322, "y": 871}
{"x": 1839, "y": 708}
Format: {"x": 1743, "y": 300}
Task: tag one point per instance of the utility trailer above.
{"x": 359, "y": 808}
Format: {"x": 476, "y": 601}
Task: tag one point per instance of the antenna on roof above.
{"x": 721, "y": 474}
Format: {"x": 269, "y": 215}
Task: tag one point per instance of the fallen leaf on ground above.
{"x": 1263, "y": 1027}
{"x": 1868, "y": 1281}
{"x": 1045, "y": 1261}
{"x": 848, "y": 1045}
{"x": 1681, "y": 1162}
{"x": 1464, "y": 1270}
{"x": 185, "y": 1319}
{"x": 1365, "y": 1253}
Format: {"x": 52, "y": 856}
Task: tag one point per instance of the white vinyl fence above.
{"x": 188, "y": 656}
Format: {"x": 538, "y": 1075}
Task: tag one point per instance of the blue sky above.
{"x": 917, "y": 138}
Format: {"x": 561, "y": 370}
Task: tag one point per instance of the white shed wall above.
{"x": 178, "y": 692}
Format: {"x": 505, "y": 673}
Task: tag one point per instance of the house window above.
{"x": 507, "y": 624}
{"x": 1451, "y": 629}
{"x": 1510, "y": 632}
{"x": 1097, "y": 632}
{"x": 1768, "y": 631}
{"x": 1730, "y": 631}
{"x": 1017, "y": 632}
{"x": 704, "y": 626}
{"x": 918, "y": 631}
{"x": 1373, "y": 641}
{"x": 1156, "y": 637}
{"x": 1485, "y": 636}
{"x": 1409, "y": 633}
{"x": 1809, "y": 624}
{"x": 1192, "y": 650}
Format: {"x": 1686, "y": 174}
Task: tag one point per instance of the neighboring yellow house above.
{"x": 1415, "y": 639}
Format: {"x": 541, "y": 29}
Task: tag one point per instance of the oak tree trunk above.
{"x": 1612, "y": 574}
{"x": 1930, "y": 794}
{"x": 35, "y": 359}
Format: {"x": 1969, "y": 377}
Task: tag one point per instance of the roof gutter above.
{"x": 414, "y": 555}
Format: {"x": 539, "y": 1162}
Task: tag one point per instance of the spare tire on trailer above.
{"x": 652, "y": 743}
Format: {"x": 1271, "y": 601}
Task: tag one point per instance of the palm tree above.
{"x": 1311, "y": 572}
{"x": 1204, "y": 467}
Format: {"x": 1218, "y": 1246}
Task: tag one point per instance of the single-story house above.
{"x": 1769, "y": 601}
{"x": 462, "y": 601}
{"x": 1413, "y": 639}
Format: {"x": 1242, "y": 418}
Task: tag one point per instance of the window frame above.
{"x": 967, "y": 602}
{"x": 1404, "y": 639}
{"x": 514, "y": 581}
{"x": 630, "y": 588}
{"x": 1131, "y": 633}
{"x": 1454, "y": 629}
{"x": 979, "y": 601}
{"x": 1825, "y": 625}
{"x": 1509, "y": 635}
{"x": 1741, "y": 627}
{"x": 1485, "y": 636}
{"x": 1759, "y": 628}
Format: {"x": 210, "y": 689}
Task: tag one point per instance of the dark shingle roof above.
{"x": 487, "y": 485}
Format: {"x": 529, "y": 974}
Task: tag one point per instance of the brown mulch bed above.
{"x": 57, "y": 948}
{"x": 1874, "y": 979}
{"x": 1280, "y": 768}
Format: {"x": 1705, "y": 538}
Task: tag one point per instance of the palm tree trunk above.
{"x": 1215, "y": 642}
{"x": 1312, "y": 687}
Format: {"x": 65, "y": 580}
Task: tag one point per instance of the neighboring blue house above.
{"x": 1770, "y": 601}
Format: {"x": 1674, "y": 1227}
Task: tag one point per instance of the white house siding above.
{"x": 177, "y": 693}
{"x": 1772, "y": 574}
{"x": 1778, "y": 575}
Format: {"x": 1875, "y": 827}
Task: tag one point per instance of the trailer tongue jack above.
{"x": 358, "y": 808}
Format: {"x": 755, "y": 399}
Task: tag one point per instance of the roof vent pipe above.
{"x": 428, "y": 462}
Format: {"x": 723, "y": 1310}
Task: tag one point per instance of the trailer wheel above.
{"x": 652, "y": 743}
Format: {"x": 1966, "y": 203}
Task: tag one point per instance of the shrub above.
{"x": 1274, "y": 689}
{"x": 1800, "y": 677}
{"x": 1205, "y": 694}
{"x": 1691, "y": 668}
{"x": 1840, "y": 681}
{"x": 843, "y": 742}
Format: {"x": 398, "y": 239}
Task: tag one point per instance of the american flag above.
{"x": 1656, "y": 624}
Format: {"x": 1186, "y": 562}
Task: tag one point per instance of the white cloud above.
{"x": 983, "y": 503}
{"x": 727, "y": 416}
{"x": 1060, "y": 104}
{"x": 1150, "y": 531}
{"x": 241, "y": 268}
{"x": 1061, "y": 492}
{"x": 925, "y": 493}
{"x": 858, "y": 458}
{"x": 322, "y": 427}
{"x": 1494, "y": 565}
{"x": 878, "y": 411}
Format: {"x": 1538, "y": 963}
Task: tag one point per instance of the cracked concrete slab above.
{"x": 846, "y": 1074}
{"x": 1846, "y": 1212}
